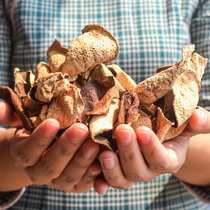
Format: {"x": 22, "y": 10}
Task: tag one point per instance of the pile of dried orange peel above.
{"x": 77, "y": 86}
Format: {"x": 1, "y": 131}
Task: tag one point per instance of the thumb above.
{"x": 7, "y": 115}
{"x": 200, "y": 121}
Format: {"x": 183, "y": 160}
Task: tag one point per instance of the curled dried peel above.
{"x": 42, "y": 69}
{"x": 14, "y": 101}
{"x": 141, "y": 120}
{"x": 163, "y": 125}
{"x": 193, "y": 61}
{"x": 30, "y": 102}
{"x": 155, "y": 87}
{"x": 100, "y": 125}
{"x": 185, "y": 97}
{"x": 102, "y": 73}
{"x": 198, "y": 64}
{"x": 66, "y": 108}
{"x": 56, "y": 54}
{"x": 124, "y": 79}
{"x": 173, "y": 132}
{"x": 103, "y": 106}
{"x": 91, "y": 93}
{"x": 95, "y": 46}
{"x": 51, "y": 85}
{"x": 179, "y": 85}
{"x": 23, "y": 82}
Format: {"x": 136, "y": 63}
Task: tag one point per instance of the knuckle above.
{"x": 88, "y": 181}
{"x": 48, "y": 171}
{"x": 40, "y": 144}
{"x": 23, "y": 159}
{"x": 34, "y": 177}
{"x": 163, "y": 166}
{"x": 123, "y": 186}
{"x": 80, "y": 162}
{"x": 67, "y": 179}
{"x": 128, "y": 157}
{"x": 64, "y": 151}
{"x": 137, "y": 177}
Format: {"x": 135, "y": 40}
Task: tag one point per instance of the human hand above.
{"x": 7, "y": 116}
{"x": 140, "y": 165}
{"x": 68, "y": 164}
{"x": 199, "y": 122}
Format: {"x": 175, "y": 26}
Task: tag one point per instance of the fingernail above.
{"x": 124, "y": 136}
{"x": 95, "y": 171}
{"x": 77, "y": 134}
{"x": 144, "y": 137}
{"x": 87, "y": 152}
{"x": 50, "y": 128}
{"x": 202, "y": 119}
{"x": 109, "y": 163}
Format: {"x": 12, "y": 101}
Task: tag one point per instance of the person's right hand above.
{"x": 7, "y": 116}
{"x": 68, "y": 164}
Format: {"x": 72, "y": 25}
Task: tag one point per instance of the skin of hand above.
{"x": 142, "y": 157}
{"x": 68, "y": 164}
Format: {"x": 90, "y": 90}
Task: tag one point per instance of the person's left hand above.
{"x": 140, "y": 165}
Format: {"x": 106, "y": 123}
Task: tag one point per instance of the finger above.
{"x": 101, "y": 185}
{"x": 26, "y": 148}
{"x": 78, "y": 166}
{"x": 87, "y": 180}
{"x": 112, "y": 171}
{"x": 200, "y": 121}
{"x": 162, "y": 158}
{"x": 58, "y": 155}
{"x": 7, "y": 116}
{"x": 131, "y": 159}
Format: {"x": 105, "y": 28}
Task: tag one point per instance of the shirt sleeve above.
{"x": 8, "y": 199}
{"x": 6, "y": 74}
{"x": 202, "y": 193}
{"x": 200, "y": 36}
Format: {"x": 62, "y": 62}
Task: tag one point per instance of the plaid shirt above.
{"x": 151, "y": 34}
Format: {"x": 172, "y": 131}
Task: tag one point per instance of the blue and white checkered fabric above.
{"x": 150, "y": 33}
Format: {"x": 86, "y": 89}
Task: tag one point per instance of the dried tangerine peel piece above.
{"x": 142, "y": 120}
{"x": 198, "y": 64}
{"x": 136, "y": 117}
{"x": 163, "y": 125}
{"x": 102, "y": 107}
{"x": 124, "y": 79}
{"x": 155, "y": 87}
{"x": 101, "y": 74}
{"x": 173, "y": 132}
{"x": 67, "y": 108}
{"x": 100, "y": 125}
{"x": 8, "y": 95}
{"x": 91, "y": 93}
{"x": 46, "y": 86}
{"x": 95, "y": 46}
{"x": 42, "y": 69}
{"x": 56, "y": 54}
{"x": 30, "y": 103}
{"x": 162, "y": 68}
{"x": 128, "y": 110}
{"x": 185, "y": 97}
{"x": 23, "y": 82}
{"x": 132, "y": 113}
{"x": 126, "y": 103}
{"x": 187, "y": 52}
{"x": 193, "y": 61}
